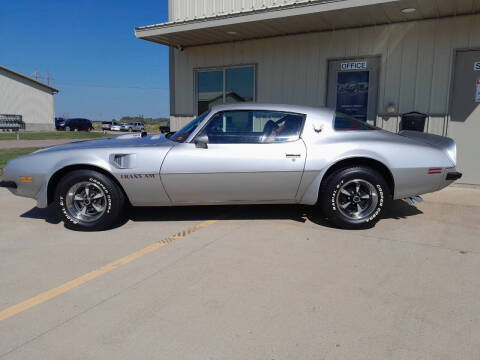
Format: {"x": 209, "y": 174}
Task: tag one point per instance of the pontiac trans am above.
{"x": 239, "y": 154}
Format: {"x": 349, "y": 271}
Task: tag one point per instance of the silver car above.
{"x": 116, "y": 127}
{"x": 107, "y": 125}
{"x": 239, "y": 154}
{"x": 133, "y": 126}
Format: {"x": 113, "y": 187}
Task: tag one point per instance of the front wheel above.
{"x": 87, "y": 200}
{"x": 354, "y": 198}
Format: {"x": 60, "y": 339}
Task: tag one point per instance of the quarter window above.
{"x": 344, "y": 122}
{"x": 225, "y": 85}
{"x": 235, "y": 127}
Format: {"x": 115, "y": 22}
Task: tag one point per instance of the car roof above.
{"x": 308, "y": 110}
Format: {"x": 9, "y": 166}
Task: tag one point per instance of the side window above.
{"x": 252, "y": 127}
{"x": 344, "y": 122}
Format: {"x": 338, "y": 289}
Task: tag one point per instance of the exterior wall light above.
{"x": 408, "y": 10}
{"x": 391, "y": 109}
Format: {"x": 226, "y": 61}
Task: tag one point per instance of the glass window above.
{"x": 210, "y": 90}
{"x": 182, "y": 134}
{"x": 346, "y": 122}
{"x": 239, "y": 85}
{"x": 235, "y": 127}
{"x": 226, "y": 85}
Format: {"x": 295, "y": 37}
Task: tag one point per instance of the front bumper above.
{"x": 8, "y": 184}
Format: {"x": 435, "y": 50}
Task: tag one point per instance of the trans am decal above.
{"x": 137, "y": 176}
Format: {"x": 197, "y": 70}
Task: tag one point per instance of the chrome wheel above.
{"x": 357, "y": 199}
{"x": 86, "y": 201}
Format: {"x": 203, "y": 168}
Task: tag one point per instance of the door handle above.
{"x": 293, "y": 156}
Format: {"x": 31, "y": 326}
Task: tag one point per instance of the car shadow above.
{"x": 397, "y": 209}
{"x": 47, "y": 214}
{"x": 400, "y": 209}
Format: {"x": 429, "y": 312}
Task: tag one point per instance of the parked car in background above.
{"x": 164, "y": 129}
{"x": 107, "y": 125}
{"x": 116, "y": 127}
{"x": 58, "y": 121}
{"x": 240, "y": 154}
{"x": 76, "y": 124}
{"x": 133, "y": 126}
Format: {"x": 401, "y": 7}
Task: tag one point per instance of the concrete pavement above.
{"x": 263, "y": 282}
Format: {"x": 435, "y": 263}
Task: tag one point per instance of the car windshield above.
{"x": 182, "y": 134}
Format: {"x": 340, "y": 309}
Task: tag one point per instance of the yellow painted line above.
{"x": 52, "y": 293}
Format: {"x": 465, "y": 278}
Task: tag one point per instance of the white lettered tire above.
{"x": 354, "y": 198}
{"x": 88, "y": 200}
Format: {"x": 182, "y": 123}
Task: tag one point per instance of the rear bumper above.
{"x": 452, "y": 176}
{"x": 8, "y": 184}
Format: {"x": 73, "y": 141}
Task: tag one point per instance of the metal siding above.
{"x": 415, "y": 70}
{"x": 34, "y": 104}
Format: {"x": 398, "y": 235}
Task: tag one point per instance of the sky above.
{"x": 89, "y": 48}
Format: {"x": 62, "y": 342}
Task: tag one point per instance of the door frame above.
{"x": 453, "y": 65}
{"x": 380, "y": 57}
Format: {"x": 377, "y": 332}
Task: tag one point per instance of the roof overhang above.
{"x": 313, "y": 16}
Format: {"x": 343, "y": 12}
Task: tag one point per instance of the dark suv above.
{"x": 75, "y": 124}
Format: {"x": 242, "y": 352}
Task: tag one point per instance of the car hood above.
{"x": 122, "y": 141}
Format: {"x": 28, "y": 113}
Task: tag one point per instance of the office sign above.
{"x": 353, "y": 65}
{"x": 476, "y": 66}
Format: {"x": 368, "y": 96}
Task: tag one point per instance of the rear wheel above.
{"x": 354, "y": 198}
{"x": 87, "y": 200}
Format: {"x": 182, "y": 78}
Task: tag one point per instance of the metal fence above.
{"x": 11, "y": 122}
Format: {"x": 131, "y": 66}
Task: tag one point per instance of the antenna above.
{"x": 48, "y": 78}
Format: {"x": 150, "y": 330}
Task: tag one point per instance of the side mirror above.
{"x": 201, "y": 142}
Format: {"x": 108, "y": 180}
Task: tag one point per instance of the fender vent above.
{"x": 123, "y": 161}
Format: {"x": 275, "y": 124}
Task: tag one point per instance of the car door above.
{"x": 239, "y": 156}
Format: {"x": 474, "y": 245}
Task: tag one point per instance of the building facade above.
{"x": 27, "y": 99}
{"x": 376, "y": 60}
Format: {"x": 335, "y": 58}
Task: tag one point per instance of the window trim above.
{"x": 223, "y": 69}
{"x": 206, "y": 121}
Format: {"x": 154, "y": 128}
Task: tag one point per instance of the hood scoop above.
{"x": 136, "y": 135}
